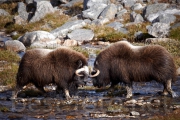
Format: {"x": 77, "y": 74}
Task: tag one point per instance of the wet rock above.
{"x": 81, "y": 35}
{"x": 155, "y": 101}
{"x": 133, "y": 101}
{"x": 42, "y": 8}
{"x": 62, "y": 31}
{"x": 3, "y": 12}
{"x": 159, "y": 30}
{"x": 134, "y": 113}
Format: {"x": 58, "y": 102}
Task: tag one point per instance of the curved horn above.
{"x": 84, "y": 69}
{"x": 97, "y": 73}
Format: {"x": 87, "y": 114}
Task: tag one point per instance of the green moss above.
{"x": 173, "y": 46}
{"x": 81, "y": 50}
{"x": 4, "y": 109}
{"x": 174, "y": 34}
{"x": 9, "y": 66}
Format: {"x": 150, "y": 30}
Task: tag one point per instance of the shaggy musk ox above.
{"x": 61, "y": 66}
{"x": 125, "y": 63}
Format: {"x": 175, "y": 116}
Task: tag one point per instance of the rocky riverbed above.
{"x": 91, "y": 103}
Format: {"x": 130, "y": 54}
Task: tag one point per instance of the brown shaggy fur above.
{"x": 42, "y": 67}
{"x": 123, "y": 62}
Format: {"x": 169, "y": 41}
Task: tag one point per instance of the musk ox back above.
{"x": 125, "y": 63}
{"x": 61, "y": 66}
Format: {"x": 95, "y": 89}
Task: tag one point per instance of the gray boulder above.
{"x": 128, "y": 3}
{"x": 118, "y": 26}
{"x": 165, "y": 18}
{"x": 23, "y": 15}
{"x": 62, "y": 31}
{"x": 121, "y": 13}
{"x": 100, "y": 21}
{"x": 15, "y": 45}
{"x": 159, "y": 30}
{"x": 94, "y": 11}
{"x": 154, "y": 8}
{"x": 89, "y": 3}
{"x": 3, "y": 12}
{"x": 115, "y": 25}
{"x": 137, "y": 6}
{"x": 173, "y": 11}
{"x": 134, "y": 17}
{"x": 81, "y": 35}
{"x": 31, "y": 37}
{"x": 109, "y": 12}
{"x": 71, "y": 3}
{"x": 42, "y": 8}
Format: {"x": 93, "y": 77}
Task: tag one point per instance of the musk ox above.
{"x": 124, "y": 63}
{"x": 61, "y": 66}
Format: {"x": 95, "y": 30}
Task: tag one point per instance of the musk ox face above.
{"x": 124, "y": 63}
{"x": 81, "y": 76}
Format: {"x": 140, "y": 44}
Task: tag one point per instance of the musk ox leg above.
{"x": 129, "y": 91}
{"x": 66, "y": 91}
{"x": 167, "y": 89}
{"x": 16, "y": 91}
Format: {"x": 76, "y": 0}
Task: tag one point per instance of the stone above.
{"x": 94, "y": 11}
{"x": 15, "y": 46}
{"x": 134, "y": 113}
{"x": 30, "y": 37}
{"x": 121, "y": 13}
{"x": 156, "y": 40}
{"x": 22, "y": 11}
{"x": 62, "y": 31}
{"x": 42, "y": 8}
{"x": 154, "y": 8}
{"x": 100, "y": 21}
{"x": 137, "y": 6}
{"x": 109, "y": 12}
{"x": 159, "y": 30}
{"x": 3, "y": 12}
{"x": 165, "y": 18}
{"x": 128, "y": 3}
{"x": 115, "y": 25}
{"x": 81, "y": 35}
{"x": 134, "y": 17}
{"x": 70, "y": 43}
